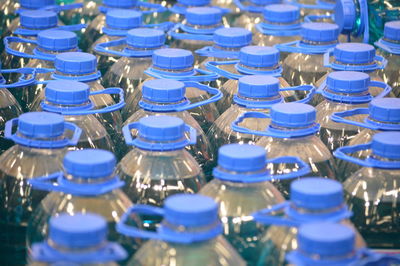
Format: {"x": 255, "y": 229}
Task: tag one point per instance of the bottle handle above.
{"x": 210, "y": 51}
{"x": 303, "y": 170}
{"x": 217, "y": 95}
{"x": 289, "y": 47}
{"x": 12, "y": 39}
{"x": 316, "y": 18}
{"x": 264, "y": 216}
{"x": 164, "y": 26}
{"x": 188, "y": 36}
{"x": 342, "y": 153}
{"x": 235, "y": 124}
{"x": 101, "y": 47}
{"x": 271, "y": 29}
{"x": 213, "y": 66}
{"x": 126, "y": 131}
{"x": 76, "y": 135}
{"x": 389, "y": 47}
{"x": 310, "y": 88}
{"x": 21, "y": 81}
{"x": 339, "y": 117}
{"x": 249, "y": 8}
{"x": 152, "y": 8}
{"x": 75, "y": 27}
{"x": 386, "y": 88}
{"x": 205, "y": 75}
{"x": 46, "y": 183}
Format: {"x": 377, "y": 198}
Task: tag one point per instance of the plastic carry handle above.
{"x": 364, "y": 20}
{"x": 341, "y": 153}
{"x": 210, "y": 51}
{"x": 75, "y": 27}
{"x": 386, "y": 88}
{"x": 203, "y": 77}
{"x": 153, "y": 8}
{"x": 266, "y": 217}
{"x": 309, "y": 88}
{"x": 9, "y": 126}
{"x": 303, "y": 170}
{"x": 46, "y": 183}
{"x": 188, "y": 36}
{"x": 77, "y": 133}
{"x": 11, "y": 39}
{"x": 126, "y": 131}
{"x": 339, "y": 117}
{"x": 101, "y": 47}
{"x": 388, "y": 47}
{"x": 235, "y": 124}
{"x": 317, "y": 18}
{"x": 278, "y": 30}
{"x": 299, "y": 47}
{"x": 213, "y": 66}
{"x": 192, "y": 134}
{"x": 165, "y": 26}
{"x": 111, "y": 108}
{"x": 217, "y": 95}
{"x": 82, "y": 78}
{"x": 22, "y": 81}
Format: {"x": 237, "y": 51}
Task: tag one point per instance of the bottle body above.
{"x": 262, "y": 39}
{"x": 9, "y": 108}
{"x": 84, "y": 14}
{"x": 105, "y": 60}
{"x": 389, "y": 73}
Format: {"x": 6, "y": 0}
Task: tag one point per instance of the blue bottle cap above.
{"x": 75, "y": 63}
{"x": 41, "y": 125}
{"x": 326, "y": 239}
{"x": 35, "y": 4}
{"x": 123, "y": 19}
{"x": 78, "y": 230}
{"x": 232, "y": 37}
{"x": 259, "y": 56}
{"x": 292, "y": 115}
{"x": 161, "y": 128}
{"x": 163, "y": 90}
{"x": 348, "y": 81}
{"x": 173, "y": 58}
{"x": 319, "y": 32}
{"x": 258, "y": 86}
{"x": 242, "y": 158}
{"x": 387, "y": 145}
{"x": 38, "y": 19}
{"x": 354, "y": 53}
{"x": 385, "y": 110}
{"x": 120, "y": 3}
{"x": 392, "y": 31}
{"x": 68, "y": 92}
{"x": 145, "y": 38}
{"x": 316, "y": 193}
{"x": 265, "y": 2}
{"x": 57, "y": 40}
{"x": 203, "y": 15}
{"x": 345, "y": 15}
{"x": 194, "y": 2}
{"x": 190, "y": 210}
{"x": 281, "y": 13}
{"x": 89, "y": 163}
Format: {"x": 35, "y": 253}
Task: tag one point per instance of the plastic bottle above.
{"x": 292, "y": 132}
{"x": 41, "y": 140}
{"x": 77, "y": 240}
{"x": 320, "y": 10}
{"x": 84, "y": 14}
{"x": 251, "y": 12}
{"x": 311, "y": 200}
{"x": 8, "y": 13}
{"x": 382, "y": 115}
{"x": 87, "y": 184}
{"x": 241, "y": 186}
{"x": 167, "y": 97}
{"x": 190, "y": 234}
{"x": 158, "y": 165}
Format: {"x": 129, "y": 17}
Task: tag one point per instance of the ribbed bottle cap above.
{"x": 57, "y": 40}
{"x": 387, "y": 145}
{"x": 67, "y": 92}
{"x": 203, "y": 15}
{"x": 75, "y": 63}
{"x": 292, "y": 115}
{"x": 345, "y": 15}
{"x": 161, "y": 128}
{"x": 145, "y": 38}
{"x": 120, "y": 3}
{"x": 392, "y": 31}
{"x": 123, "y": 19}
{"x": 163, "y": 90}
{"x": 259, "y": 56}
{"x": 316, "y": 193}
{"x": 354, "y": 53}
{"x": 78, "y": 230}
{"x": 319, "y": 32}
{"x": 265, "y": 2}
{"x": 326, "y": 239}
{"x": 38, "y": 19}
{"x": 281, "y": 13}
{"x": 89, "y": 163}
{"x": 172, "y": 58}
{"x": 232, "y": 37}
{"x": 242, "y": 158}
{"x": 190, "y": 210}
{"x": 41, "y": 125}
{"x": 35, "y": 4}
{"x": 194, "y": 2}
{"x": 385, "y": 110}
{"x": 258, "y": 86}
{"x": 348, "y": 81}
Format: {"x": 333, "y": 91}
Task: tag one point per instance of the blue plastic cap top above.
{"x": 123, "y": 19}
{"x": 67, "y": 92}
{"x": 161, "y": 128}
{"x": 385, "y": 110}
{"x": 78, "y": 231}
{"x": 89, "y": 163}
{"x": 258, "y": 86}
{"x": 232, "y": 37}
{"x": 281, "y": 13}
{"x": 348, "y": 81}
{"x": 145, "y": 38}
{"x": 326, "y": 239}
{"x": 392, "y": 30}
{"x": 57, "y": 40}
{"x": 163, "y": 90}
{"x": 38, "y": 19}
{"x": 259, "y": 56}
{"x": 265, "y": 2}
{"x": 35, "y": 4}
{"x": 41, "y": 125}
{"x": 120, "y": 3}
{"x": 203, "y": 15}
{"x": 354, "y": 53}
{"x": 316, "y": 193}
{"x": 387, "y": 145}
{"x": 190, "y": 210}
{"x": 293, "y": 115}
{"x": 319, "y": 32}
{"x": 242, "y": 158}
{"x": 75, "y": 63}
{"x": 345, "y": 15}
{"x": 172, "y": 58}
{"x": 194, "y": 2}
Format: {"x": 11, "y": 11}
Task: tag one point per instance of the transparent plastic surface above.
{"x": 390, "y": 74}
{"x": 84, "y": 14}
{"x": 105, "y": 60}
{"x": 248, "y": 20}
{"x": 37, "y": 263}
{"x": 12, "y": 61}
{"x": 237, "y": 202}
{"x": 261, "y": 39}
{"x": 191, "y": 45}
{"x": 9, "y": 108}
{"x": 8, "y": 10}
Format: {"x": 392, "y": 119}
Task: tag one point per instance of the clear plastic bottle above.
{"x": 371, "y": 192}
{"x": 242, "y": 186}
{"x": 292, "y": 132}
{"x": 41, "y": 141}
{"x": 311, "y": 200}
{"x": 84, "y": 14}
{"x": 167, "y": 97}
{"x": 189, "y": 234}
{"x": 158, "y": 165}
{"x": 79, "y": 240}
{"x": 8, "y": 13}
